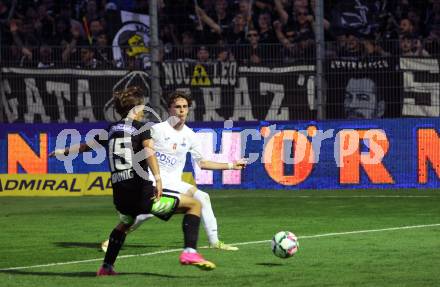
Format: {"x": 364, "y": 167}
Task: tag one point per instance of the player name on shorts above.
{"x": 122, "y": 175}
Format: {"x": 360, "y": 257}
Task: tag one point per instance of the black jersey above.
{"x": 132, "y": 192}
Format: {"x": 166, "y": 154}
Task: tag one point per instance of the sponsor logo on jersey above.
{"x": 165, "y": 159}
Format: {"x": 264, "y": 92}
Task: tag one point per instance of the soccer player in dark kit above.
{"x": 130, "y": 153}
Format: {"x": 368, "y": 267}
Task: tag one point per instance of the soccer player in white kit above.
{"x": 172, "y": 141}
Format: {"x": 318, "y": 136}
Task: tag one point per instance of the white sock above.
{"x": 139, "y": 220}
{"x": 189, "y": 250}
{"x": 208, "y": 217}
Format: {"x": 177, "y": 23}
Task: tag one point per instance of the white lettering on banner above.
{"x": 242, "y": 102}
{"x": 212, "y": 98}
{"x": 224, "y": 73}
{"x": 178, "y": 73}
{"x": 34, "y": 103}
{"x": 10, "y": 105}
{"x": 349, "y": 64}
{"x": 410, "y": 107}
{"x": 276, "y": 112}
{"x": 230, "y": 151}
{"x": 191, "y": 115}
{"x": 84, "y": 102}
{"x": 61, "y": 90}
{"x": 168, "y": 71}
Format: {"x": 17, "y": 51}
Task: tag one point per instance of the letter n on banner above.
{"x": 428, "y": 146}
{"x": 20, "y": 153}
{"x": 230, "y": 151}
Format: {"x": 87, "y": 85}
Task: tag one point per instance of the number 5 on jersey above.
{"x": 120, "y": 155}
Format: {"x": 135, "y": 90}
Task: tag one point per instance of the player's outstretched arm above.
{"x": 79, "y": 148}
{"x": 213, "y": 165}
{"x": 97, "y": 142}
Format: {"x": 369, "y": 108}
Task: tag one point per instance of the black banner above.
{"x": 220, "y": 90}
{"x": 364, "y": 88}
{"x": 224, "y": 90}
{"x": 372, "y": 88}
{"x": 57, "y": 95}
{"x": 421, "y": 87}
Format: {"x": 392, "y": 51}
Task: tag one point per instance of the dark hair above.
{"x": 178, "y": 94}
{"x": 127, "y": 99}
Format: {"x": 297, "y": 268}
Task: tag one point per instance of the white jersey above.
{"x": 171, "y": 147}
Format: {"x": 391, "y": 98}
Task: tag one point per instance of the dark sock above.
{"x": 116, "y": 241}
{"x": 190, "y": 227}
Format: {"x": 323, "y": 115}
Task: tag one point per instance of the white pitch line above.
{"x": 240, "y": 243}
{"x": 332, "y": 196}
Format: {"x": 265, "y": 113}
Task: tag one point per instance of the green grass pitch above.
{"x": 347, "y": 238}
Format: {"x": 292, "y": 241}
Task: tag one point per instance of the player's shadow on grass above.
{"x": 86, "y": 274}
{"x": 94, "y": 245}
{"x": 267, "y": 264}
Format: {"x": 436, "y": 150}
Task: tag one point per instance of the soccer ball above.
{"x": 284, "y": 244}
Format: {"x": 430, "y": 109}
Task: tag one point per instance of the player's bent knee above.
{"x": 191, "y": 205}
{"x": 188, "y": 202}
{"x": 191, "y": 191}
{"x": 197, "y": 204}
{"x": 194, "y": 203}
{"x": 205, "y": 196}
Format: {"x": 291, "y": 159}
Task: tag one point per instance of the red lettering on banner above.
{"x": 20, "y": 153}
{"x": 351, "y": 159}
{"x": 428, "y": 149}
{"x": 274, "y": 162}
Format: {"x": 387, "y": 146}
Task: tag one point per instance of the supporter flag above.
{"x": 87, "y": 30}
{"x": 363, "y": 88}
{"x": 131, "y": 42}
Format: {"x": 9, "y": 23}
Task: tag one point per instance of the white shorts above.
{"x": 179, "y": 186}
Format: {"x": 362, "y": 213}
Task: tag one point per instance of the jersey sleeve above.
{"x": 146, "y": 135}
{"x": 196, "y": 149}
{"x": 143, "y": 132}
{"x": 155, "y": 132}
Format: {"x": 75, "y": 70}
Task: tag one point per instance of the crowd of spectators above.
{"x": 80, "y": 33}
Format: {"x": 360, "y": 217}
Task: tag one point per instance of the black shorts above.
{"x": 133, "y": 197}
